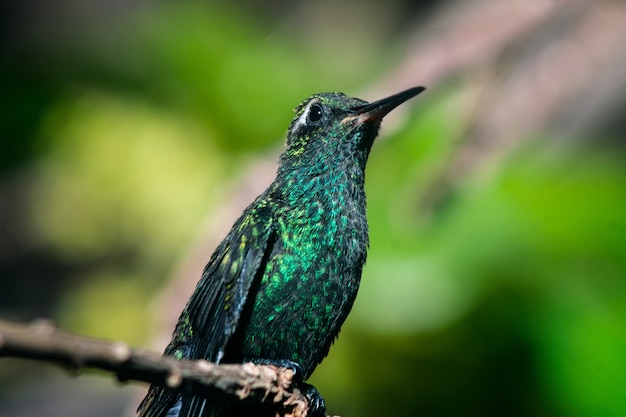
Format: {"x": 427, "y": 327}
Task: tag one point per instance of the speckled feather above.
{"x": 282, "y": 282}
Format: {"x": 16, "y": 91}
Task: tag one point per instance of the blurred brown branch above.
{"x": 43, "y": 341}
{"x": 530, "y": 67}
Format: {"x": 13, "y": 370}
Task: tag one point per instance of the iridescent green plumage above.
{"x": 282, "y": 282}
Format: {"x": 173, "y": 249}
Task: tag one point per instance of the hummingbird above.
{"x": 280, "y": 285}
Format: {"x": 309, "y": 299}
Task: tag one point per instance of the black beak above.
{"x": 375, "y": 111}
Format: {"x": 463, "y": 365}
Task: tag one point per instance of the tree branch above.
{"x": 260, "y": 384}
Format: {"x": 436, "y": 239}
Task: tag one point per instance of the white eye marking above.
{"x": 302, "y": 120}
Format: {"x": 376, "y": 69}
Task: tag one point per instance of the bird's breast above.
{"x": 310, "y": 281}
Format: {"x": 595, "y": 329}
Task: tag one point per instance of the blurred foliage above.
{"x": 520, "y": 284}
{"x": 109, "y": 156}
{"x": 123, "y": 131}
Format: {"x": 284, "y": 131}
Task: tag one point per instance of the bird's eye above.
{"x": 315, "y": 113}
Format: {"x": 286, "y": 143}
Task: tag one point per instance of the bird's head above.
{"x": 330, "y": 130}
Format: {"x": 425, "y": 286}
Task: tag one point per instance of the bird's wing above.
{"x": 221, "y": 294}
{"x": 211, "y": 315}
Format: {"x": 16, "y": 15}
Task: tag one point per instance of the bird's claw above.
{"x": 317, "y": 405}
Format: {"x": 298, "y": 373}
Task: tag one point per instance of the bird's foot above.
{"x": 317, "y": 405}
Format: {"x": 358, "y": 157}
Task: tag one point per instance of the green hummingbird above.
{"x": 280, "y": 285}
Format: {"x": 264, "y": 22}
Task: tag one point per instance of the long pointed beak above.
{"x": 375, "y": 111}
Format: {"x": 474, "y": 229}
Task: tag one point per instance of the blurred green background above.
{"x": 133, "y": 133}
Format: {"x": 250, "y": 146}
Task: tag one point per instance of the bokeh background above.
{"x": 133, "y": 133}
